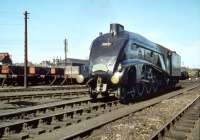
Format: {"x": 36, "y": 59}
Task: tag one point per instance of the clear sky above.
{"x": 172, "y": 23}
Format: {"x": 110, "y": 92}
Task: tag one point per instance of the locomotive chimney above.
{"x": 100, "y": 33}
{"x": 115, "y": 28}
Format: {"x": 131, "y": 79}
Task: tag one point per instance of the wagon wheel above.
{"x": 93, "y": 94}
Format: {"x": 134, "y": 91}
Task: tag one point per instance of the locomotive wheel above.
{"x": 155, "y": 88}
{"x": 127, "y": 93}
{"x": 132, "y": 92}
{"x": 148, "y": 89}
{"x": 123, "y": 95}
{"x": 141, "y": 89}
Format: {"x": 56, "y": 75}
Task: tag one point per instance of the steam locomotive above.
{"x": 130, "y": 64}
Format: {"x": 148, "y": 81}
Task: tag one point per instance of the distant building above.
{"x": 22, "y": 64}
{"x": 193, "y": 72}
{"x": 61, "y": 63}
{"x": 71, "y": 61}
{"x": 46, "y": 64}
{"x": 5, "y": 58}
{"x": 74, "y": 62}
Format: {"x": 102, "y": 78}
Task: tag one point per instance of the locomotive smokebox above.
{"x": 115, "y": 28}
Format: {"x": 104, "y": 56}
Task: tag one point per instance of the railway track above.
{"x": 85, "y": 127}
{"x": 184, "y": 125}
{"x": 189, "y": 82}
{"x": 69, "y": 119}
{"x": 6, "y": 97}
{"x": 40, "y": 88}
{"x": 32, "y": 121}
{"x": 44, "y": 92}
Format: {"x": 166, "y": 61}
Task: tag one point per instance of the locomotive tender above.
{"x": 130, "y": 64}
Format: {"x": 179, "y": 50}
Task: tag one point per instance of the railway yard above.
{"x": 99, "y": 70}
{"x": 74, "y": 76}
{"x": 67, "y": 112}
{"x": 129, "y": 89}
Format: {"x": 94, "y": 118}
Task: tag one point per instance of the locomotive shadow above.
{"x": 104, "y": 99}
{"x": 136, "y": 98}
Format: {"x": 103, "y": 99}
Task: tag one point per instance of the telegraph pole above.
{"x": 66, "y": 49}
{"x": 25, "y": 49}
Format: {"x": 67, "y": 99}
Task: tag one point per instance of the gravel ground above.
{"x": 141, "y": 125}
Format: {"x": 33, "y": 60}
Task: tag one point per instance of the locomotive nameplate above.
{"x": 99, "y": 67}
{"x": 106, "y": 44}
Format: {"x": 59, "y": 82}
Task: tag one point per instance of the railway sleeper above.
{"x": 52, "y": 121}
{"x": 178, "y": 135}
{"x": 60, "y": 123}
{"x": 36, "y": 131}
{"x": 191, "y": 118}
{"x": 18, "y": 136}
{"x": 194, "y": 115}
{"x": 183, "y": 128}
{"x": 184, "y": 120}
{"x": 87, "y": 114}
{"x": 50, "y": 127}
{"x": 84, "y": 116}
{"x": 67, "y": 121}
{"x": 77, "y": 118}
{"x": 187, "y": 127}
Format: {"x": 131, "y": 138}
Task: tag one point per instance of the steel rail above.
{"x": 40, "y": 88}
{"x": 41, "y": 108}
{"x": 89, "y": 125}
{"x": 18, "y": 96}
{"x": 49, "y": 120}
{"x": 161, "y": 133}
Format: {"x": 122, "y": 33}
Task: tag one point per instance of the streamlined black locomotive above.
{"x": 130, "y": 64}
